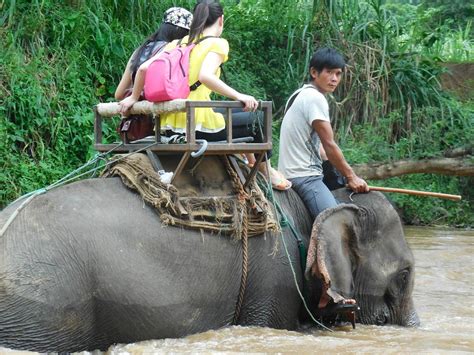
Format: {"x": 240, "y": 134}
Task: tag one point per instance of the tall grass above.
{"x": 382, "y": 76}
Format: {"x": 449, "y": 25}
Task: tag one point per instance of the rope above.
{"x": 64, "y": 180}
{"x": 284, "y": 220}
{"x": 17, "y": 211}
{"x": 243, "y": 280}
{"x": 242, "y": 197}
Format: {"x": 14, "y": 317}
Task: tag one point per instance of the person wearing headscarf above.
{"x": 175, "y": 25}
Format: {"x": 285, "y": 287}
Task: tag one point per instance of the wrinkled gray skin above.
{"x": 88, "y": 265}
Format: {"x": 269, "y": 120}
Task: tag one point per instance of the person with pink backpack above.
{"x": 210, "y": 51}
{"x": 175, "y": 25}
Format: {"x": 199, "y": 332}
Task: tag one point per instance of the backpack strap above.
{"x": 198, "y": 83}
{"x": 157, "y": 47}
{"x": 294, "y": 95}
{"x": 203, "y": 38}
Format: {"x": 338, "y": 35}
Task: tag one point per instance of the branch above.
{"x": 459, "y": 152}
{"x": 458, "y": 166}
{"x": 142, "y": 107}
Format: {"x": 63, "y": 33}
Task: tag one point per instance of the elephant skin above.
{"x": 89, "y": 264}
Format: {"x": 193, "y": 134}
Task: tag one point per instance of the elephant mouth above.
{"x": 379, "y": 320}
{"x": 386, "y": 318}
{"x": 382, "y": 319}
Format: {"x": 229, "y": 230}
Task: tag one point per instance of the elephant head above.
{"x": 359, "y": 251}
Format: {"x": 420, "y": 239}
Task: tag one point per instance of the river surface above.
{"x": 443, "y": 296}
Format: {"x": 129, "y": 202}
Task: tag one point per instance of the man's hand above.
{"x": 357, "y": 184}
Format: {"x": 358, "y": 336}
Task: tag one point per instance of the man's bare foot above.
{"x": 343, "y": 307}
{"x": 326, "y": 299}
{"x": 278, "y": 181}
{"x": 348, "y": 301}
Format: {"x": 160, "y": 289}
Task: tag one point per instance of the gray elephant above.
{"x": 88, "y": 265}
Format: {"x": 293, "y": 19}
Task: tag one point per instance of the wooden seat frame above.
{"x": 107, "y": 110}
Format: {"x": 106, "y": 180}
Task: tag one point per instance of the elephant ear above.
{"x": 332, "y": 250}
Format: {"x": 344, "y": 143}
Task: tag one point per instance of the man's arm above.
{"x": 335, "y": 156}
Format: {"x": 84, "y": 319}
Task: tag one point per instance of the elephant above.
{"x": 88, "y": 264}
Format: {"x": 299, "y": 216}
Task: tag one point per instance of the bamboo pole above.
{"x": 416, "y": 193}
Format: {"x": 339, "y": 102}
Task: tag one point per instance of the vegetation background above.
{"x": 60, "y": 57}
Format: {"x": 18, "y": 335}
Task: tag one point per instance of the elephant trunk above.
{"x": 376, "y": 310}
{"x": 410, "y": 317}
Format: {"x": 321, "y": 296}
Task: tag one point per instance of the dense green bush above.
{"x": 59, "y": 58}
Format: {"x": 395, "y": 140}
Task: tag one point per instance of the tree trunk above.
{"x": 458, "y": 166}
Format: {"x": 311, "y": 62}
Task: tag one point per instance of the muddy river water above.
{"x": 443, "y": 296}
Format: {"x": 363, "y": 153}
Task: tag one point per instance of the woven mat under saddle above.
{"x": 215, "y": 214}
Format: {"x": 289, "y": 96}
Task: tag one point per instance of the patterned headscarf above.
{"x": 179, "y": 17}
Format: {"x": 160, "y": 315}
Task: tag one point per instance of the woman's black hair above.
{"x": 166, "y": 33}
{"x": 205, "y": 14}
{"x": 327, "y": 58}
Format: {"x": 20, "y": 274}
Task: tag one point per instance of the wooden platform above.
{"x": 106, "y": 110}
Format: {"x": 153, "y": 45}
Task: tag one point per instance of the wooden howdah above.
{"x": 107, "y": 110}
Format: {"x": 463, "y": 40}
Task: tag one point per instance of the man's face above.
{"x": 327, "y": 80}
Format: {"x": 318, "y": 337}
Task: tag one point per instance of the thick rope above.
{"x": 243, "y": 280}
{"x": 242, "y": 198}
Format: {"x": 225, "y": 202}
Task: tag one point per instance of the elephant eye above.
{"x": 397, "y": 286}
{"x": 403, "y": 277}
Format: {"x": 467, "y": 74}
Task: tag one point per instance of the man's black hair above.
{"x": 327, "y": 58}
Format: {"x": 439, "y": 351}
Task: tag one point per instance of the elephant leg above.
{"x": 40, "y": 326}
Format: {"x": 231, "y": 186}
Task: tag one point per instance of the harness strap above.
{"x": 302, "y": 250}
{"x": 285, "y": 222}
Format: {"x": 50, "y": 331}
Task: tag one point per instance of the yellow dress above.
{"x": 206, "y": 119}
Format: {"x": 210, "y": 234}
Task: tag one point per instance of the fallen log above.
{"x": 458, "y": 166}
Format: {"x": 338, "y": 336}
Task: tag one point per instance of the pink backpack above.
{"x": 167, "y": 77}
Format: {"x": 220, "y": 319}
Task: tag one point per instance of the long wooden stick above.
{"x": 416, "y": 192}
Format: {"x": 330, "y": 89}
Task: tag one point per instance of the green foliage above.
{"x": 433, "y": 211}
{"x": 453, "y": 13}
{"x": 59, "y": 58}
{"x": 430, "y": 136}
{"x": 433, "y": 32}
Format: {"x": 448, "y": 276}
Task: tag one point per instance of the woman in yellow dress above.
{"x": 205, "y": 60}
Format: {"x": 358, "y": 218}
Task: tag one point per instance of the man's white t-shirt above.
{"x": 299, "y": 143}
